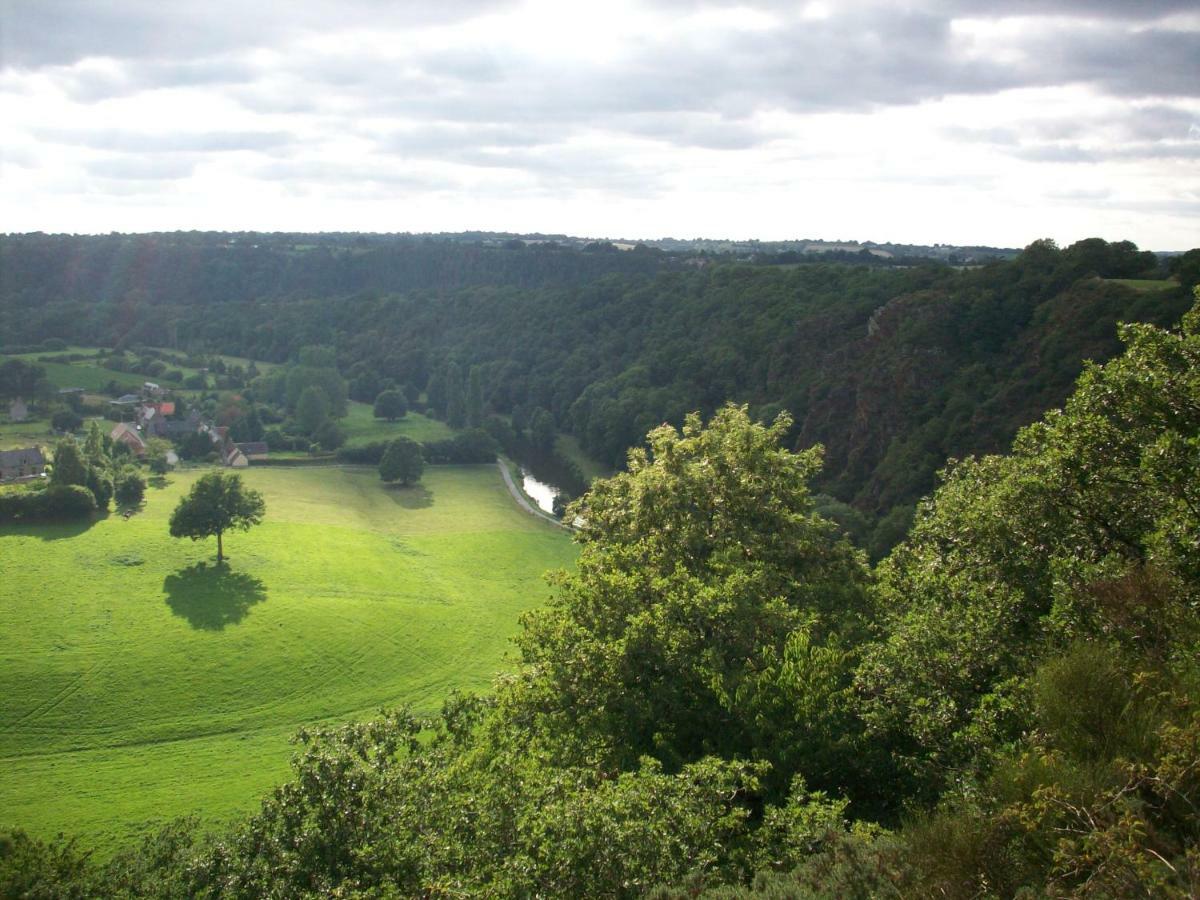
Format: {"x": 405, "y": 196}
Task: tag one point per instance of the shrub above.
{"x": 131, "y": 487}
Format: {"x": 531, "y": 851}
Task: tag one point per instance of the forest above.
{"x": 893, "y": 370}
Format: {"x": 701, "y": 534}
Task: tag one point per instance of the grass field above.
{"x": 140, "y": 682}
{"x": 361, "y": 427}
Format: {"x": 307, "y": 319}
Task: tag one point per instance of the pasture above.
{"x": 140, "y": 682}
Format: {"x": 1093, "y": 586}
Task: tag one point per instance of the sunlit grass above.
{"x": 140, "y": 682}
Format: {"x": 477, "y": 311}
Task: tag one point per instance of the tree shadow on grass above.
{"x": 415, "y": 496}
{"x": 53, "y": 531}
{"x": 211, "y": 596}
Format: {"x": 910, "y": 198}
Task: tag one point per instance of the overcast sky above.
{"x": 961, "y": 122}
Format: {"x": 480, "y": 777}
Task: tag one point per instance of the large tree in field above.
{"x": 402, "y": 461}
{"x": 217, "y": 503}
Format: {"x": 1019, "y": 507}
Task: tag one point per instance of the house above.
{"x": 18, "y": 411}
{"x": 235, "y": 458}
{"x": 27, "y": 462}
{"x": 253, "y": 450}
{"x": 130, "y": 437}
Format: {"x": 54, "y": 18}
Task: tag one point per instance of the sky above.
{"x": 960, "y": 122}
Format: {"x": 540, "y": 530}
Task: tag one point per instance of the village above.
{"x": 143, "y": 417}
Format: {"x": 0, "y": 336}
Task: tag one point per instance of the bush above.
{"x": 66, "y": 420}
{"x": 329, "y": 436}
{"x": 131, "y": 487}
{"x": 55, "y": 503}
{"x": 474, "y": 446}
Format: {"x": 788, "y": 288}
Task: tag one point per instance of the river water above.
{"x": 541, "y": 493}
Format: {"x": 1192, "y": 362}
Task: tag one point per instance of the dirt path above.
{"x": 520, "y": 498}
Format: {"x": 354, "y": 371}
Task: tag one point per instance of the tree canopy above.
{"x": 217, "y": 503}
{"x": 402, "y": 461}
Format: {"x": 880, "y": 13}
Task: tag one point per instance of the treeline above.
{"x": 893, "y": 370}
{"x": 723, "y": 699}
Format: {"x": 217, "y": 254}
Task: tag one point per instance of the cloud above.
{"x": 141, "y": 169}
{"x": 170, "y": 142}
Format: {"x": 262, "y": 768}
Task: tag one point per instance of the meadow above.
{"x": 141, "y": 682}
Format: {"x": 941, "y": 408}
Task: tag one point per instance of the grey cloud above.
{"x": 373, "y": 171}
{"x": 141, "y": 168}
{"x": 54, "y": 32}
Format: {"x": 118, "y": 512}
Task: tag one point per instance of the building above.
{"x": 18, "y": 411}
{"x": 27, "y": 462}
{"x": 253, "y": 450}
{"x": 130, "y": 437}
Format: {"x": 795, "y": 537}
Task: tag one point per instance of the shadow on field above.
{"x": 53, "y": 531}
{"x": 211, "y": 596}
{"x": 415, "y": 496}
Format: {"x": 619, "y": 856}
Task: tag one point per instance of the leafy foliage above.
{"x": 217, "y": 503}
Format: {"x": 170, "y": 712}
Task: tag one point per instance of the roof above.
{"x": 167, "y": 408}
{"x": 253, "y": 448}
{"x": 26, "y": 456}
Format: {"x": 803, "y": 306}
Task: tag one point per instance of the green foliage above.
{"x": 456, "y": 409}
{"x": 69, "y": 464}
{"x": 1086, "y": 530}
{"x": 312, "y": 410}
{"x": 474, "y": 400}
{"x": 217, "y": 503}
{"x": 329, "y": 435}
{"x": 130, "y": 487}
{"x": 66, "y": 420}
{"x": 390, "y": 405}
{"x": 704, "y": 580}
{"x": 402, "y": 461}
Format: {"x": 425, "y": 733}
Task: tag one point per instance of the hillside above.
{"x": 894, "y": 370}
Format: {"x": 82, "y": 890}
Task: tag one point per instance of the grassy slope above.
{"x": 139, "y": 683}
{"x": 361, "y": 427}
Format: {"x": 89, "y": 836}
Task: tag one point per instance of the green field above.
{"x": 361, "y": 427}
{"x": 140, "y": 682}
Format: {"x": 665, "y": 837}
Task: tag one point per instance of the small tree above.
{"x": 69, "y": 467}
{"x": 217, "y": 503}
{"x": 312, "y": 409}
{"x": 402, "y": 461}
{"x": 391, "y": 405}
{"x": 130, "y": 487}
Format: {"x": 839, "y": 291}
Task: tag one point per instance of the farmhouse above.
{"x": 18, "y": 411}
{"x": 130, "y": 436}
{"x": 27, "y": 462}
{"x": 253, "y": 450}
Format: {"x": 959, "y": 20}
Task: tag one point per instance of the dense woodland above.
{"x": 893, "y": 370}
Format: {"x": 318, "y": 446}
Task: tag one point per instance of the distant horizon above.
{"x": 1168, "y": 251}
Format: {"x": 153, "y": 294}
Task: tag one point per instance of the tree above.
{"x": 456, "y": 412}
{"x": 329, "y": 435}
{"x": 391, "y": 405}
{"x": 312, "y": 409}
{"x": 402, "y": 461}
{"x": 66, "y": 420}
{"x": 707, "y": 588}
{"x": 541, "y": 430}
{"x": 69, "y": 466}
{"x": 475, "y": 397}
{"x": 130, "y": 487}
{"x": 217, "y": 503}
